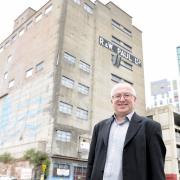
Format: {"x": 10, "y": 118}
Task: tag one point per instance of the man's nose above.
{"x": 122, "y": 98}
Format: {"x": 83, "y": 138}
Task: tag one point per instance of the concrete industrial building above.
{"x": 56, "y": 72}
{"x": 169, "y": 119}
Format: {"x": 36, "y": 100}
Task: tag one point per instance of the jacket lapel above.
{"x": 106, "y": 130}
{"x": 133, "y": 128}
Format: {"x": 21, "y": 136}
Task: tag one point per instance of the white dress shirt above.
{"x": 113, "y": 165}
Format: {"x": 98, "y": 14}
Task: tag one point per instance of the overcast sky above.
{"x": 158, "y": 20}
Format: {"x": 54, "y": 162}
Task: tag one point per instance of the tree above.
{"x": 6, "y": 158}
{"x": 37, "y": 159}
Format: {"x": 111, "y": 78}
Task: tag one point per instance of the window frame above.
{"x": 119, "y": 79}
{"x": 65, "y": 108}
{"x": 83, "y": 89}
{"x": 48, "y": 9}
{"x": 121, "y": 44}
{"x": 63, "y": 136}
{"x": 5, "y": 75}
{"x": 11, "y": 83}
{"x": 38, "y": 17}
{"x": 29, "y": 72}
{"x": 88, "y": 8}
{"x": 67, "y": 82}
{"x": 119, "y": 26}
{"x": 82, "y": 113}
{"x": 39, "y": 66}
{"x": 69, "y": 58}
{"x": 84, "y": 66}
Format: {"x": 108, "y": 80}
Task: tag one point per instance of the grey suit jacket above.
{"x": 143, "y": 154}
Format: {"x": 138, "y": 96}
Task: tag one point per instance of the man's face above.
{"x": 123, "y": 100}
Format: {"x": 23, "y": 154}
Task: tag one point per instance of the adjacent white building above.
{"x": 164, "y": 92}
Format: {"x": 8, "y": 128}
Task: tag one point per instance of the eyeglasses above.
{"x": 119, "y": 96}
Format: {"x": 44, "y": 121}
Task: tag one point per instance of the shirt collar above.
{"x": 129, "y": 116}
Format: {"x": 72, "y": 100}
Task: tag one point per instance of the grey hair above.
{"x": 120, "y": 84}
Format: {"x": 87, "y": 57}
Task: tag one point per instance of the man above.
{"x": 126, "y": 146}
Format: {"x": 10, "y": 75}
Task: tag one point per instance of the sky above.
{"x": 159, "y": 22}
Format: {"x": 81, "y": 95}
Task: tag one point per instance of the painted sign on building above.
{"x": 121, "y": 52}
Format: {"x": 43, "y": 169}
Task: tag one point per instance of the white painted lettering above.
{"x": 118, "y": 51}
{"x": 106, "y": 45}
{"x": 101, "y": 41}
{"x": 110, "y": 46}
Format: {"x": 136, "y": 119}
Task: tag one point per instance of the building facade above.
{"x": 169, "y": 119}
{"x": 164, "y": 92}
{"x": 178, "y": 57}
{"x": 56, "y": 72}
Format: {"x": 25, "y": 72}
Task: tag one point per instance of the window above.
{"x": 9, "y": 58}
{"x": 174, "y": 84}
{"x": 14, "y": 37}
{"x": 176, "y": 97}
{"x": 77, "y": 1}
{"x": 120, "y": 27}
{"x": 84, "y": 66}
{"x": 69, "y": 83}
{"x": 167, "y": 94}
{"x": 88, "y": 8}
{"x": 5, "y": 75}
{"x": 121, "y": 43}
{"x": 21, "y": 32}
{"x": 65, "y": 107}
{"x": 162, "y": 95}
{"x": 127, "y": 31}
{"x": 29, "y": 25}
{"x": 69, "y": 58}
{"x": 63, "y": 136}
{"x": 83, "y": 89}
{"x": 29, "y": 72}
{"x": 80, "y": 172}
{"x": 7, "y": 44}
{"x": 81, "y": 113}
{"x": 177, "y": 106}
{"x": 40, "y": 66}
{"x": 116, "y": 41}
{"x": 126, "y": 65}
{"x": 84, "y": 144}
{"x": 155, "y": 103}
{"x": 61, "y": 170}
{"x": 48, "y": 9}
{"x": 161, "y": 102}
{"x": 38, "y": 18}
{"x": 170, "y": 100}
{"x": 1, "y": 49}
{"x": 118, "y": 79}
{"x": 126, "y": 46}
{"x": 11, "y": 83}
{"x": 115, "y": 24}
